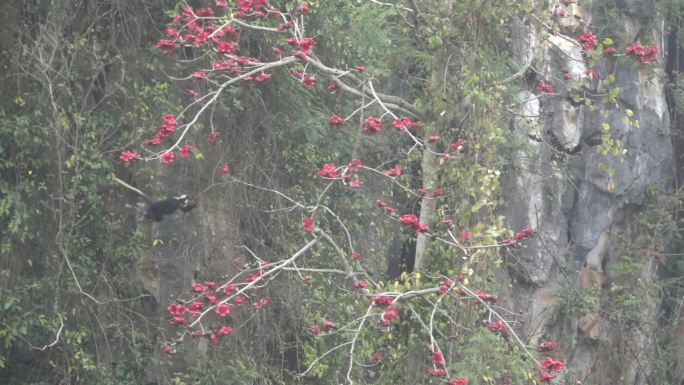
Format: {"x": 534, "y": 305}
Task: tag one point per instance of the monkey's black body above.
{"x": 157, "y": 210}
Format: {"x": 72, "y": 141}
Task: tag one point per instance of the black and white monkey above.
{"x": 157, "y": 209}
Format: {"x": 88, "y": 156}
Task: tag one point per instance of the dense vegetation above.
{"x": 85, "y": 284}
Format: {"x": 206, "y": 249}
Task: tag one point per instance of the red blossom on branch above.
{"x": 372, "y": 124}
{"x": 128, "y": 155}
{"x": 329, "y": 170}
{"x": 587, "y": 41}
{"x": 336, "y": 120}
{"x": 459, "y": 381}
{"x": 308, "y": 225}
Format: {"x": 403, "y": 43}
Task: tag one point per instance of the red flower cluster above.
{"x": 645, "y": 54}
{"x": 552, "y": 365}
{"x": 308, "y": 80}
{"x": 381, "y": 300}
{"x": 372, "y": 124}
{"x": 185, "y": 151}
{"x": 328, "y": 324}
{"x": 308, "y": 225}
{"x": 224, "y": 169}
{"x": 128, "y": 155}
{"x": 459, "y": 381}
{"x": 389, "y": 314}
{"x": 302, "y": 8}
{"x": 381, "y": 203}
{"x": 587, "y": 40}
{"x": 437, "y": 358}
{"x": 497, "y": 326}
{"x": 433, "y": 138}
{"x": 262, "y": 302}
{"x": 168, "y": 157}
{"x": 411, "y": 219}
{"x": 437, "y": 372}
{"x": 394, "y": 171}
{"x": 524, "y": 233}
{"x": 465, "y": 235}
{"x": 336, "y": 120}
{"x": 457, "y": 145}
{"x": 546, "y": 346}
{"x": 250, "y": 5}
{"x": 167, "y": 126}
{"x": 329, "y": 170}
{"x": 544, "y": 87}
{"x": 376, "y": 357}
{"x": 356, "y": 255}
{"x": 445, "y": 285}
{"x": 404, "y": 122}
{"x": 223, "y": 309}
{"x": 485, "y": 297}
{"x": 359, "y": 284}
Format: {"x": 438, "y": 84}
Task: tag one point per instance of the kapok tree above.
{"x": 439, "y": 318}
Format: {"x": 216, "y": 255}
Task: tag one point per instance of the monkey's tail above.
{"x": 142, "y": 194}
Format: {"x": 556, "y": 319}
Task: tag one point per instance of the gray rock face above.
{"x": 582, "y": 170}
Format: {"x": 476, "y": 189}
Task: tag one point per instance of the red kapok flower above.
{"x": 359, "y": 284}
{"x": 376, "y": 357}
{"x": 587, "y": 40}
{"x": 395, "y": 171}
{"x": 408, "y": 219}
{"x": 437, "y": 358}
{"x": 608, "y": 51}
{"x": 484, "y": 296}
{"x": 176, "y": 310}
{"x": 496, "y": 326}
{"x": 328, "y": 324}
{"x": 198, "y": 287}
{"x": 437, "y": 372}
{"x": 356, "y": 255}
{"x": 229, "y": 289}
{"x": 303, "y": 8}
{"x": 239, "y": 300}
{"x": 128, "y": 155}
{"x": 262, "y": 302}
{"x": 211, "y": 138}
{"x": 546, "y": 377}
{"x": 315, "y": 330}
{"x": 360, "y": 68}
{"x": 381, "y": 300}
{"x": 223, "y": 309}
{"x": 168, "y": 157}
{"x": 438, "y": 192}
{"x": 389, "y": 314}
{"x": 168, "y": 47}
{"x": 336, "y": 120}
{"x": 459, "y": 381}
{"x": 355, "y": 184}
{"x": 332, "y": 86}
{"x": 224, "y": 331}
{"x": 168, "y": 349}
{"x": 546, "y": 346}
{"x": 211, "y": 299}
{"x": 224, "y": 169}
{"x": 185, "y": 151}
{"x": 372, "y": 124}
{"x": 433, "y": 138}
{"x": 308, "y": 225}
{"x": 328, "y": 170}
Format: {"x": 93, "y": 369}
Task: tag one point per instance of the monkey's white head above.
{"x": 182, "y": 198}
